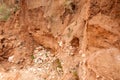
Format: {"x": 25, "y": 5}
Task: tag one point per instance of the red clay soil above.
{"x": 84, "y": 35}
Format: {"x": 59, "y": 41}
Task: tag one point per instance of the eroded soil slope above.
{"x": 62, "y": 40}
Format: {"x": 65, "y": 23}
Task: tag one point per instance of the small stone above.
{"x": 10, "y": 59}
{"x": 83, "y": 55}
{"x": 60, "y": 43}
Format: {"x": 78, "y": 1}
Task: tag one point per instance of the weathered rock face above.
{"x": 83, "y": 34}
{"x": 105, "y": 63}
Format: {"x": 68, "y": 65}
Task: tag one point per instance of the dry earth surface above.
{"x": 61, "y": 40}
